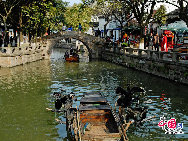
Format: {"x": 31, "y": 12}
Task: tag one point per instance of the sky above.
{"x": 73, "y": 1}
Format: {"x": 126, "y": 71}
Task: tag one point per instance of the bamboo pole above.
{"x": 124, "y": 133}
{"x": 128, "y": 124}
{"x": 75, "y": 126}
{"x": 78, "y": 119}
{"x": 122, "y": 128}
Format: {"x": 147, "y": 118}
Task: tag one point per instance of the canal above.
{"x": 26, "y": 91}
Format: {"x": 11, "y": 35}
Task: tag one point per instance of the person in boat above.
{"x": 66, "y": 54}
{"x": 80, "y": 27}
{"x": 77, "y": 56}
{"x": 74, "y": 53}
{"x": 71, "y": 51}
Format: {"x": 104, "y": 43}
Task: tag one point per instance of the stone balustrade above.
{"x": 168, "y": 65}
{"x": 147, "y": 54}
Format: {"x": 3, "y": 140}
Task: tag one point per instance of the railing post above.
{"x": 8, "y": 50}
{"x": 161, "y": 55}
{"x": 130, "y": 50}
{"x": 123, "y": 50}
{"x": 175, "y": 57}
{"x": 139, "y": 52}
{"x": 157, "y": 54}
{"x": 148, "y": 53}
{"x": 118, "y": 50}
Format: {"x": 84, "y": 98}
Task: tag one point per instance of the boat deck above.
{"x": 95, "y": 111}
{"x": 100, "y": 133}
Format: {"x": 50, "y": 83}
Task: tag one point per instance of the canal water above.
{"x": 26, "y": 91}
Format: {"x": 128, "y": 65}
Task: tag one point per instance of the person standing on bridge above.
{"x": 80, "y": 27}
{"x": 64, "y": 28}
{"x": 98, "y": 33}
{"x": 70, "y": 28}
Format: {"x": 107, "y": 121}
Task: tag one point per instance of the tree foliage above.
{"x": 56, "y": 15}
{"x": 121, "y": 12}
{"x": 160, "y": 15}
{"x": 36, "y": 15}
{"x": 76, "y": 14}
{"x": 11, "y": 10}
{"x": 7, "y": 8}
{"x": 142, "y": 11}
{"x": 43, "y": 14}
{"x": 33, "y": 16}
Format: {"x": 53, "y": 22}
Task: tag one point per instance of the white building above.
{"x": 112, "y": 28}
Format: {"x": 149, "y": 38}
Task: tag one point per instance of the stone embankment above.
{"x": 14, "y": 56}
{"x": 163, "y": 64}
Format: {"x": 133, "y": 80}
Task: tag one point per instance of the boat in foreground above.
{"x": 96, "y": 121}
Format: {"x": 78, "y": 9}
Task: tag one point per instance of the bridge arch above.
{"x": 92, "y": 43}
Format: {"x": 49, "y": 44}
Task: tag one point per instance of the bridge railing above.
{"x": 147, "y": 54}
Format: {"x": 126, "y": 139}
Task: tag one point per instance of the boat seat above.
{"x": 93, "y": 100}
{"x": 93, "y": 107}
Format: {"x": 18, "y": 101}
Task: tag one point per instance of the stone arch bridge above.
{"x": 92, "y": 43}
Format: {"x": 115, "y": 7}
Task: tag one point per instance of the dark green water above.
{"x": 25, "y": 92}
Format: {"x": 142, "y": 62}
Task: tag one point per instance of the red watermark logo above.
{"x": 170, "y": 126}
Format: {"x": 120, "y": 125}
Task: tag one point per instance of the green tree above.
{"x": 56, "y": 15}
{"x": 40, "y": 15}
{"x": 121, "y": 12}
{"x": 10, "y": 13}
{"x": 76, "y": 14}
{"x": 160, "y": 15}
{"x": 32, "y": 16}
{"x": 142, "y": 11}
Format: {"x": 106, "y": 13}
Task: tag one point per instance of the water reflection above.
{"x": 25, "y": 92}
{"x": 23, "y": 100}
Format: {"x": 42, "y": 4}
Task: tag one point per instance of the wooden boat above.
{"x": 96, "y": 121}
{"x": 72, "y": 59}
